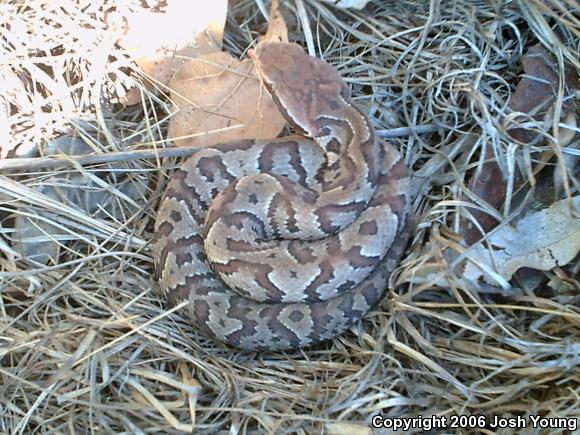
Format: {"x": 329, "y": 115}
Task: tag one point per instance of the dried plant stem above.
{"x": 60, "y": 161}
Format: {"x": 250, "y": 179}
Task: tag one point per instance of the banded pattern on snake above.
{"x": 285, "y": 243}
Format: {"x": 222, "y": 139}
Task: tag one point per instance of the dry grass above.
{"x": 86, "y": 346}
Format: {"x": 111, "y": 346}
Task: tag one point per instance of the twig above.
{"x": 59, "y": 161}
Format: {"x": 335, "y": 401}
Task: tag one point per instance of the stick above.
{"x": 61, "y": 160}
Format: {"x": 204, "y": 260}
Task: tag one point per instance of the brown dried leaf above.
{"x": 490, "y": 187}
{"x": 537, "y": 90}
{"x": 535, "y": 95}
{"x": 218, "y": 92}
{"x": 162, "y": 42}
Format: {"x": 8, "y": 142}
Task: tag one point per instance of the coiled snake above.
{"x": 287, "y": 242}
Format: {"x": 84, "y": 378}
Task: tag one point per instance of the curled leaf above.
{"x": 220, "y": 99}
{"x": 541, "y": 240}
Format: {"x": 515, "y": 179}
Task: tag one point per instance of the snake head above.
{"x": 304, "y": 88}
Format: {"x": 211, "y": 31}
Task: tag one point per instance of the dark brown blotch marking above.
{"x": 399, "y": 170}
{"x": 291, "y": 148}
{"x": 210, "y": 167}
{"x": 182, "y": 249}
{"x": 179, "y": 190}
{"x": 325, "y": 275}
{"x": 246, "y": 219}
{"x": 291, "y": 222}
{"x": 323, "y": 123}
{"x": 369, "y": 228}
{"x": 260, "y": 271}
{"x": 334, "y": 146}
{"x": 215, "y": 212}
{"x": 194, "y": 283}
{"x": 282, "y": 332}
{"x": 326, "y": 213}
{"x": 358, "y": 260}
{"x": 279, "y": 202}
{"x": 164, "y": 229}
{"x": 240, "y": 310}
{"x": 345, "y": 286}
{"x": 334, "y": 248}
{"x": 291, "y": 189}
{"x": 183, "y": 258}
{"x": 175, "y": 216}
{"x": 302, "y": 253}
{"x": 240, "y": 145}
{"x": 296, "y": 316}
{"x": 240, "y": 246}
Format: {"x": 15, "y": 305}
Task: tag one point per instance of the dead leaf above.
{"x": 491, "y": 187}
{"x": 541, "y": 240}
{"x": 161, "y": 42}
{"x": 535, "y": 95}
{"x": 220, "y": 99}
{"x": 218, "y": 92}
{"x": 537, "y": 90}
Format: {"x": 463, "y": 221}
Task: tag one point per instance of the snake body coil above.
{"x": 284, "y": 243}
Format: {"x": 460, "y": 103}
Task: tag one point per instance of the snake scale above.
{"x": 287, "y": 242}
